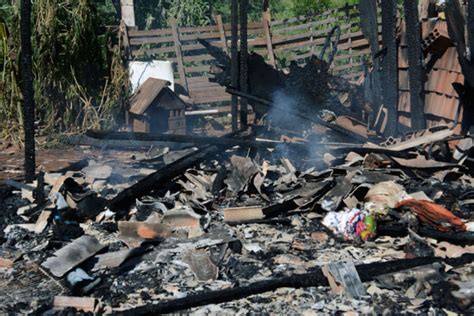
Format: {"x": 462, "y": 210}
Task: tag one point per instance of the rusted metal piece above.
{"x": 415, "y": 68}
{"x": 390, "y": 69}
{"x": 244, "y": 85}
{"x": 234, "y": 61}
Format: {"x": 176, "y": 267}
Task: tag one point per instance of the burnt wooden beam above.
{"x": 234, "y": 72}
{"x": 399, "y": 230}
{"x": 27, "y": 90}
{"x": 390, "y": 65}
{"x": 188, "y": 139}
{"x": 367, "y": 272}
{"x": 470, "y": 29}
{"x": 415, "y": 67}
{"x": 456, "y": 23}
{"x": 244, "y": 74}
{"x": 369, "y": 26}
{"x": 368, "y": 150}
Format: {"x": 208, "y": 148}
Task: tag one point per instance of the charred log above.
{"x": 367, "y": 272}
{"x": 27, "y": 90}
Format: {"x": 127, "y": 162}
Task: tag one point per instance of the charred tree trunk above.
{"x": 244, "y": 87}
{"x": 234, "y": 60}
{"x": 27, "y": 90}
{"x": 390, "y": 64}
{"x": 415, "y": 70}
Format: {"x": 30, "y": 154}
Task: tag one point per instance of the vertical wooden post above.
{"x": 369, "y": 25}
{"x": 179, "y": 54}
{"x": 267, "y": 23}
{"x": 349, "y": 40}
{"x": 390, "y": 65}
{"x": 470, "y": 30}
{"x": 311, "y": 39}
{"x": 128, "y": 12}
{"x": 415, "y": 70}
{"x": 243, "y": 61}
{"x": 27, "y": 90}
{"x": 220, "y": 26}
{"x": 234, "y": 61}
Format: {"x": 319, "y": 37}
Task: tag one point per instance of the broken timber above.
{"x": 197, "y": 140}
{"x": 367, "y": 272}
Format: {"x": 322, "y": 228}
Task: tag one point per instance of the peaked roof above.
{"x": 146, "y": 94}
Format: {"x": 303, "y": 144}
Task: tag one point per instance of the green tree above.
{"x": 302, "y": 7}
{"x": 191, "y": 12}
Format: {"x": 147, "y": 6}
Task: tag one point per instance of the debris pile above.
{"x": 308, "y": 210}
{"x": 228, "y": 228}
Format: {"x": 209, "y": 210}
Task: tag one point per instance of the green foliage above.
{"x": 79, "y": 78}
{"x": 151, "y": 14}
{"x": 302, "y": 7}
{"x": 191, "y": 12}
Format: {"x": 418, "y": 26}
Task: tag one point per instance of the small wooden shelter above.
{"x": 155, "y": 108}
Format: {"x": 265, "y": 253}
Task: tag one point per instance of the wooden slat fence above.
{"x": 288, "y": 40}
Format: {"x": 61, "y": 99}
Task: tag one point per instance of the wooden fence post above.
{"x": 128, "y": 12}
{"x": 179, "y": 54}
{"x": 267, "y": 23}
{"x": 125, "y": 38}
{"x": 234, "y": 50}
{"x": 243, "y": 74}
{"x": 220, "y": 26}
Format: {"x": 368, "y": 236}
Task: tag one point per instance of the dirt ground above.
{"x": 47, "y": 160}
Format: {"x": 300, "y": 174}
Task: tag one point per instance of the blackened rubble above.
{"x": 318, "y": 206}
{"x": 178, "y": 241}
